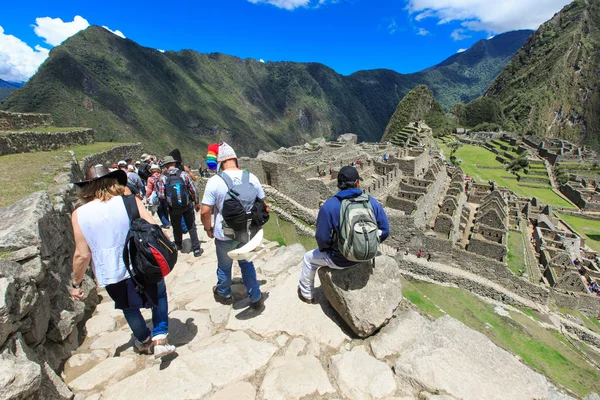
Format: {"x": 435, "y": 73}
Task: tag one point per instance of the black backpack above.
{"x": 151, "y": 253}
{"x": 144, "y": 171}
{"x": 176, "y": 191}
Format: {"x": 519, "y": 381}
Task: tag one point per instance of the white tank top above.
{"x": 105, "y": 226}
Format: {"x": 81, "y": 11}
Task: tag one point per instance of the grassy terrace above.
{"x": 546, "y": 351}
{"x": 516, "y": 254}
{"x": 284, "y": 233}
{"x": 45, "y": 129}
{"x": 36, "y": 171}
{"x": 590, "y": 229}
{"x": 475, "y": 159}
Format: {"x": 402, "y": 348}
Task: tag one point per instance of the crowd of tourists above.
{"x": 115, "y": 232}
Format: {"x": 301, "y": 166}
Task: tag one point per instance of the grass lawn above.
{"x": 473, "y": 157}
{"x": 591, "y": 323}
{"x": 36, "y": 171}
{"x": 544, "y": 350}
{"x": 284, "y": 233}
{"x": 516, "y": 260}
{"x": 588, "y": 228}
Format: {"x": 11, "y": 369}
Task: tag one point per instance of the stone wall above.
{"x": 18, "y": 121}
{"x": 26, "y": 142}
{"x": 587, "y": 304}
{"x": 112, "y": 156}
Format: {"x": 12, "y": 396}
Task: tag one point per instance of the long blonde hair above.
{"x": 101, "y": 189}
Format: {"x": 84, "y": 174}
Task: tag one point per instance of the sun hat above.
{"x": 99, "y": 171}
{"x": 211, "y": 157}
{"x": 138, "y": 162}
{"x": 169, "y": 160}
{"x": 122, "y": 163}
{"x": 130, "y": 168}
{"x": 154, "y": 167}
{"x": 226, "y": 152}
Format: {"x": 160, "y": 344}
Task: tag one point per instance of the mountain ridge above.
{"x": 187, "y": 99}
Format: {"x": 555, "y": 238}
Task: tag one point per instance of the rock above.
{"x": 296, "y": 347}
{"x": 52, "y": 387}
{"x": 365, "y": 296}
{"x": 293, "y": 377}
{"x": 282, "y": 259}
{"x": 362, "y": 377}
{"x": 8, "y": 291}
{"x": 177, "y": 382}
{"x": 235, "y": 391}
{"x": 501, "y": 311}
{"x": 112, "y": 340}
{"x": 40, "y": 318}
{"x": 109, "y": 371}
{"x": 100, "y": 324}
{"x": 592, "y": 396}
{"x": 402, "y": 329}
{"x": 19, "y": 376}
{"x": 480, "y": 369}
{"x": 237, "y": 358}
{"x": 284, "y": 313}
{"x": 81, "y": 363}
{"x": 108, "y": 308}
{"x": 187, "y": 326}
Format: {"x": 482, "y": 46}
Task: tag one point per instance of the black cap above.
{"x": 348, "y": 174}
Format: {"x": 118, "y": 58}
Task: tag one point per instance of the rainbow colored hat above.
{"x": 211, "y": 157}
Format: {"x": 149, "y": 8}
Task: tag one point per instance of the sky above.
{"x": 347, "y": 35}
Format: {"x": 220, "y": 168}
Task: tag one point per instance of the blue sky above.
{"x": 347, "y": 35}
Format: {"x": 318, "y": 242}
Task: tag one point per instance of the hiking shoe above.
{"x": 144, "y": 347}
{"x": 161, "y": 346}
{"x": 225, "y": 300}
{"x": 179, "y": 247}
{"x": 198, "y": 252}
{"x": 304, "y": 299}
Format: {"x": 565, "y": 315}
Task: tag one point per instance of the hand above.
{"x": 197, "y": 207}
{"x": 77, "y": 294}
{"x": 210, "y": 234}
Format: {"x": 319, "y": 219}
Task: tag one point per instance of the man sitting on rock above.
{"x": 328, "y": 229}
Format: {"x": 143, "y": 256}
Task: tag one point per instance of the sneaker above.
{"x": 198, "y": 252}
{"x": 304, "y": 299}
{"x": 161, "y": 346}
{"x": 144, "y": 347}
{"x": 226, "y": 300}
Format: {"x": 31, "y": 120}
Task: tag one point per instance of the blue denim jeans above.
{"x": 224, "y": 263}
{"x": 160, "y": 317}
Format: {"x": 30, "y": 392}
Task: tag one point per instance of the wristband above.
{"x": 78, "y": 286}
{"x": 208, "y": 230}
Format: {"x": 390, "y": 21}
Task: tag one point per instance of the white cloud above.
{"x": 162, "y": 51}
{"x": 461, "y": 50}
{"x": 485, "y": 15}
{"x": 392, "y": 26}
{"x": 18, "y": 61}
{"x": 293, "y": 4}
{"x": 54, "y": 31}
{"x": 459, "y": 34}
{"x": 423, "y": 32}
{"x": 117, "y": 32}
{"x": 491, "y": 37}
{"x": 261, "y": 60}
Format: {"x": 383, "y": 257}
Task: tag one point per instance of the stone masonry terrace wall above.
{"x": 17, "y": 121}
{"x": 26, "y": 142}
{"x": 113, "y": 155}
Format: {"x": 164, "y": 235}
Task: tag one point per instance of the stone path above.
{"x": 290, "y": 350}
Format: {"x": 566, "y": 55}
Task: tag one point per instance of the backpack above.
{"x": 176, "y": 192}
{"x": 144, "y": 171}
{"x": 243, "y": 212}
{"x": 151, "y": 253}
{"x": 358, "y": 236}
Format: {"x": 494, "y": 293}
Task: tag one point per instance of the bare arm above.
{"x": 205, "y": 217}
{"x": 81, "y": 257}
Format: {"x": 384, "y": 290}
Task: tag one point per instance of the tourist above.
{"x": 177, "y": 188}
{"x": 419, "y": 253}
{"x": 134, "y": 183}
{"x": 212, "y": 204}
{"x": 152, "y": 187}
{"x": 429, "y": 257}
{"x": 328, "y": 220}
{"x": 100, "y": 227}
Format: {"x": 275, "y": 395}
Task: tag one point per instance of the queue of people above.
{"x": 103, "y": 222}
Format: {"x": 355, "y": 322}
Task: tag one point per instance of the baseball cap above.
{"x": 122, "y": 163}
{"x": 348, "y": 174}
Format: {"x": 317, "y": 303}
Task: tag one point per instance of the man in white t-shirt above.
{"x": 212, "y": 204}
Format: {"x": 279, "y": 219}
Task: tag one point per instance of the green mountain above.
{"x": 187, "y": 99}
{"x": 418, "y": 105}
{"x": 552, "y": 86}
{"x": 7, "y": 88}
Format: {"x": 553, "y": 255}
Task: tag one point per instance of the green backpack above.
{"x": 358, "y": 236}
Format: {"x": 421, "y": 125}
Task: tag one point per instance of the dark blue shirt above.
{"x": 328, "y": 223}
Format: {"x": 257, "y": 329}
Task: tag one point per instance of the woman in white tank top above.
{"x": 100, "y": 227}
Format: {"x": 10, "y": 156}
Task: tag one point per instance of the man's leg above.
{"x": 160, "y": 313}
{"x": 177, "y": 233}
{"x": 189, "y": 218}
{"x": 224, "y": 263}
{"x": 313, "y": 259}
{"x": 136, "y": 322}
{"x": 249, "y": 279}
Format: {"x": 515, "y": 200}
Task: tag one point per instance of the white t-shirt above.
{"x": 215, "y": 192}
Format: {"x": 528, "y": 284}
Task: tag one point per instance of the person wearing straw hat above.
{"x": 152, "y": 187}
{"x": 100, "y": 227}
{"x": 212, "y": 203}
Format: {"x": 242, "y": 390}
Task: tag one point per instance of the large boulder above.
{"x": 365, "y": 296}
{"x": 450, "y": 357}
{"x": 20, "y": 377}
{"x": 283, "y": 259}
